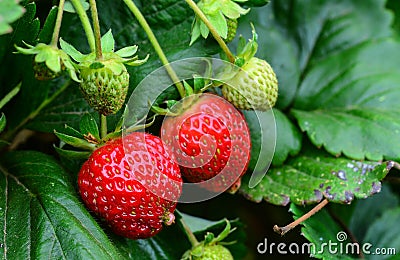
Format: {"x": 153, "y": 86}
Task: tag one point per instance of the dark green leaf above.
{"x": 88, "y": 125}
{"x": 262, "y": 133}
{"x": 319, "y": 230}
{"x": 383, "y": 234}
{"x": 288, "y": 141}
{"x": 10, "y": 11}
{"x": 46, "y": 33}
{"x": 310, "y": 177}
{"x": 41, "y": 215}
{"x": 367, "y": 211}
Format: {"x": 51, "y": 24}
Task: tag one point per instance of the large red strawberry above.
{"x": 133, "y": 184}
{"x": 209, "y": 138}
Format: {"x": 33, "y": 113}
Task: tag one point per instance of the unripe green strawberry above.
{"x": 104, "y": 84}
{"x": 216, "y": 252}
{"x": 255, "y": 86}
{"x": 232, "y": 28}
{"x": 210, "y": 252}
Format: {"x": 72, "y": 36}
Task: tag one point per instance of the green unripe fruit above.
{"x": 254, "y": 86}
{"x": 232, "y": 28}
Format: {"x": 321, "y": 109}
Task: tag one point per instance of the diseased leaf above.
{"x": 41, "y": 215}
{"x": 310, "y": 177}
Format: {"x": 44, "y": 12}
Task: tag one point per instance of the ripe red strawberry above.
{"x": 133, "y": 189}
{"x": 209, "y": 139}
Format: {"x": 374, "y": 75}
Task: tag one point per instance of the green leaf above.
{"x": 322, "y": 53}
{"x": 10, "y": 11}
{"x": 46, "y": 33}
{"x": 312, "y": 176}
{"x": 107, "y": 42}
{"x": 383, "y": 233}
{"x": 41, "y": 215}
{"x": 288, "y": 140}
{"x": 88, "y": 125}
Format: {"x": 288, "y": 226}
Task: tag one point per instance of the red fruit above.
{"x": 133, "y": 189}
{"x": 209, "y": 139}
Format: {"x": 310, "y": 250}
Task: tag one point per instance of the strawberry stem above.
{"x": 57, "y": 26}
{"x": 283, "y": 230}
{"x": 85, "y": 23}
{"x": 212, "y": 29}
{"x": 192, "y": 239}
{"x": 154, "y": 42}
{"x": 103, "y": 126}
{"x": 96, "y": 28}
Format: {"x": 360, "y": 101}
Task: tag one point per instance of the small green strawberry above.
{"x": 253, "y": 83}
{"x": 255, "y": 86}
{"x": 49, "y": 61}
{"x": 212, "y": 252}
{"x": 211, "y": 248}
{"x": 232, "y": 28}
{"x": 105, "y": 82}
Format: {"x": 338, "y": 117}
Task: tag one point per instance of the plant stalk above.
{"x": 153, "y": 40}
{"x": 212, "y": 29}
{"x": 57, "y": 26}
{"x": 85, "y": 23}
{"x": 34, "y": 113}
{"x": 96, "y": 28}
{"x": 283, "y": 230}
{"x": 192, "y": 239}
{"x": 103, "y": 126}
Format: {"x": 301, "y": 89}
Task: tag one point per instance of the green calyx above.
{"x": 219, "y": 13}
{"x": 49, "y": 61}
{"x": 211, "y": 248}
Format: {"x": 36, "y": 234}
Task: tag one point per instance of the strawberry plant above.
{"x": 165, "y": 129}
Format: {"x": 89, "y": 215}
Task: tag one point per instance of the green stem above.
{"x": 96, "y": 27}
{"x": 57, "y": 26}
{"x": 192, "y": 239}
{"x": 212, "y": 29}
{"x": 33, "y": 114}
{"x": 103, "y": 126}
{"x": 85, "y": 23}
{"x": 153, "y": 40}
